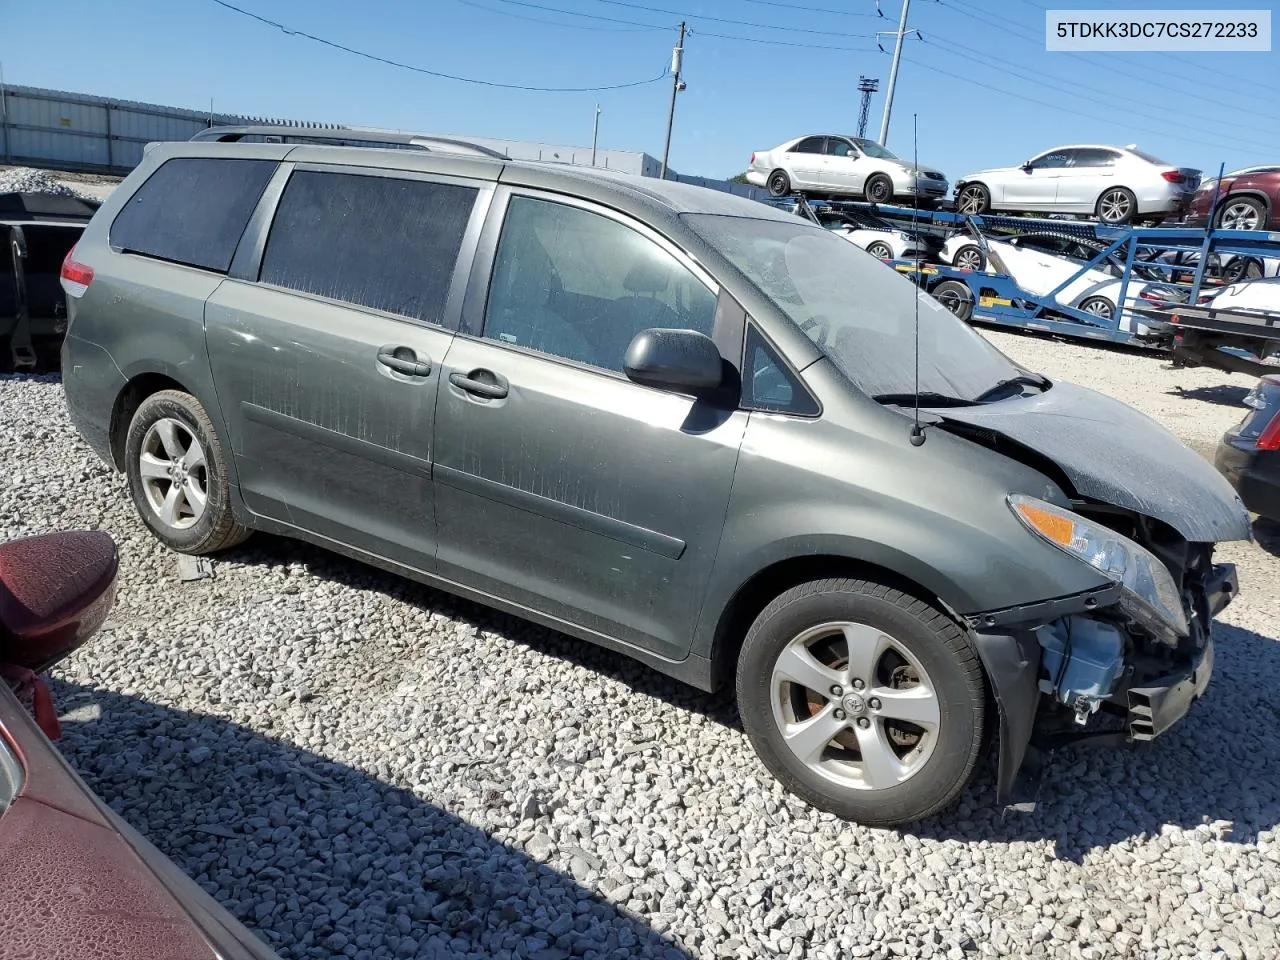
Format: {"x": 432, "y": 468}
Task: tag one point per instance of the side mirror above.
{"x": 682, "y": 361}
{"x": 1026, "y": 165}
{"x": 55, "y": 592}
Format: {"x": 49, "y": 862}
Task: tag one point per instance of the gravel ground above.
{"x": 88, "y": 186}
{"x": 359, "y": 766}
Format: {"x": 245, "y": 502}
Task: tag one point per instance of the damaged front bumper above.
{"x": 1011, "y": 652}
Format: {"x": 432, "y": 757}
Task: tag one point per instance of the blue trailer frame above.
{"x": 997, "y": 299}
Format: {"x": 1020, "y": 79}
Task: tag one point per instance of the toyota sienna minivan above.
{"x": 659, "y": 418}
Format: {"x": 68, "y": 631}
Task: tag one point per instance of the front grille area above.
{"x": 934, "y": 176}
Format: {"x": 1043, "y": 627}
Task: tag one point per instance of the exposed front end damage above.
{"x": 1098, "y": 666}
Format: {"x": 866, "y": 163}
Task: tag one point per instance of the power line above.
{"x": 589, "y": 16}
{"x": 704, "y": 33}
{"x": 782, "y": 43}
{"x": 1055, "y": 83}
{"x": 554, "y": 23}
{"x": 736, "y": 23}
{"x": 433, "y": 73}
{"x": 797, "y": 6}
{"x": 1042, "y": 103}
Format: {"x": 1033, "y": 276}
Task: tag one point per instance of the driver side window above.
{"x": 1052, "y": 161}
{"x": 840, "y": 148}
{"x": 578, "y": 285}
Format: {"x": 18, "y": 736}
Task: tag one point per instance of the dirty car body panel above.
{"x": 507, "y": 457}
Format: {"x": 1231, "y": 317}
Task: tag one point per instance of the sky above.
{"x": 978, "y": 80}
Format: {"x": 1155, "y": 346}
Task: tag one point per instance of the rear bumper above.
{"x": 756, "y": 179}
{"x": 1255, "y": 475}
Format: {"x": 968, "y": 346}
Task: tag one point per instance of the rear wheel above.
{"x": 973, "y": 199}
{"x": 1100, "y": 307}
{"x": 956, "y": 297}
{"x": 1242, "y": 268}
{"x": 1242, "y": 213}
{"x": 878, "y": 188}
{"x": 779, "y": 184}
{"x": 863, "y": 701}
{"x": 1117, "y": 206}
{"x": 178, "y": 475}
{"x": 969, "y": 257}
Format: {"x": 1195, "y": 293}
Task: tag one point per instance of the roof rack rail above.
{"x": 350, "y": 136}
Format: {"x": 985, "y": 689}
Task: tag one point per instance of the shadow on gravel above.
{"x": 323, "y": 860}
{"x": 1220, "y": 766}
{"x": 1266, "y": 533}
{"x": 1220, "y": 763}
{"x": 1224, "y": 395}
{"x": 264, "y": 549}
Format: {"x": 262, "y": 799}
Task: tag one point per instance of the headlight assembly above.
{"x": 1150, "y": 596}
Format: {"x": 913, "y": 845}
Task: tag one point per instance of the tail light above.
{"x": 1173, "y": 176}
{"x": 76, "y": 276}
{"x": 753, "y": 159}
{"x": 1269, "y": 439}
{"x": 1203, "y": 299}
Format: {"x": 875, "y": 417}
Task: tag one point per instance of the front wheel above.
{"x": 878, "y": 189}
{"x": 880, "y": 250}
{"x": 863, "y": 701}
{"x": 178, "y": 475}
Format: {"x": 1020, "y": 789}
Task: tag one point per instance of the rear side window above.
{"x": 192, "y": 211}
{"x": 379, "y": 242}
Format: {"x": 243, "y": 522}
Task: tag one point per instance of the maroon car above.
{"x": 1248, "y": 199}
{"x": 77, "y": 880}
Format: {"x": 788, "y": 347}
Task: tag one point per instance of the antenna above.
{"x": 917, "y": 431}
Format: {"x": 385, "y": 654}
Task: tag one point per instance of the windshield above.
{"x": 860, "y": 313}
{"x": 873, "y": 149}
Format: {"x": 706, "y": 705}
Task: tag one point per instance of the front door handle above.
{"x": 404, "y": 360}
{"x": 493, "y": 387}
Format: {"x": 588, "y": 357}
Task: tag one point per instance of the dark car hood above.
{"x": 1112, "y": 453}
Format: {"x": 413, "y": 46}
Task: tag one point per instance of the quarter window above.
{"x": 192, "y": 211}
{"x": 578, "y": 285}
{"x": 386, "y": 243}
{"x": 768, "y": 384}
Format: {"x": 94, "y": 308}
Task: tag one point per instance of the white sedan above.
{"x": 1095, "y": 291}
{"x": 1263, "y": 295}
{"x": 840, "y": 165}
{"x": 878, "y": 237}
{"x": 1115, "y": 184}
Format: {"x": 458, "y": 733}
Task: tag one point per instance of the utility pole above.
{"x": 893, "y": 72}
{"x": 677, "y": 66}
{"x": 867, "y": 86}
{"x": 595, "y": 135}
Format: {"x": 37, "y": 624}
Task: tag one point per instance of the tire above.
{"x": 915, "y": 770}
{"x": 779, "y": 184}
{"x": 1116, "y": 207}
{"x": 973, "y": 199}
{"x": 1243, "y": 268}
{"x": 969, "y": 257}
{"x": 1242, "y": 213}
{"x": 880, "y": 250}
{"x": 161, "y": 437}
{"x": 1100, "y": 307}
{"x": 956, "y": 297}
{"x": 878, "y": 189}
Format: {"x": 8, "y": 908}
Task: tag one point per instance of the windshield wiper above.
{"x": 926, "y": 398}
{"x": 1020, "y": 380}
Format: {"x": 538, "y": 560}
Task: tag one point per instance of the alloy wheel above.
{"x": 1115, "y": 206}
{"x": 174, "y": 472}
{"x": 1241, "y": 216}
{"x": 854, "y": 705}
{"x": 969, "y": 258}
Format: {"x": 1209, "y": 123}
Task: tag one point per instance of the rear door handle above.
{"x": 480, "y": 388}
{"x": 404, "y": 360}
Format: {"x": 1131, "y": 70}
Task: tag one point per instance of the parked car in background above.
{"x": 1247, "y": 199}
{"x": 1117, "y": 185}
{"x": 78, "y": 880}
{"x": 668, "y": 420}
{"x": 1249, "y": 454}
{"x": 1255, "y": 295}
{"x": 1041, "y": 263}
{"x": 838, "y": 165}
{"x": 36, "y": 231}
